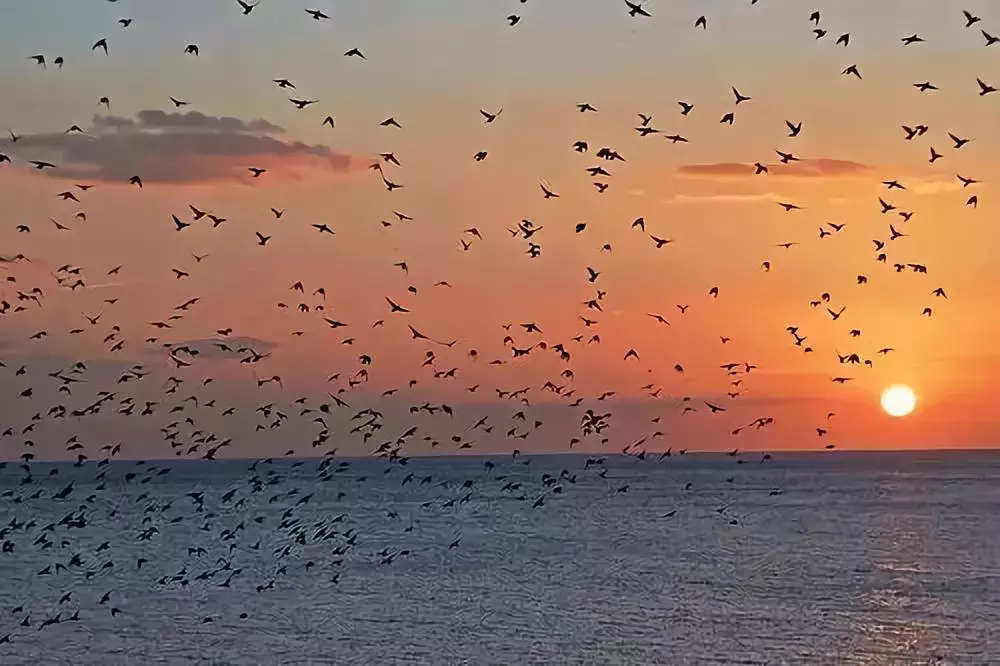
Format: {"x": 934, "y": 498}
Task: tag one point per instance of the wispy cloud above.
{"x": 101, "y": 285}
{"x": 174, "y": 148}
{"x": 934, "y": 186}
{"x": 804, "y": 168}
{"x": 216, "y": 348}
{"x": 726, "y": 198}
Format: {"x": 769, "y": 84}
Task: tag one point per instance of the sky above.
{"x": 432, "y": 66}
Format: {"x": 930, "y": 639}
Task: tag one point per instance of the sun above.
{"x": 898, "y": 400}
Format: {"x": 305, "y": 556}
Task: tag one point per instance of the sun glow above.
{"x": 898, "y": 400}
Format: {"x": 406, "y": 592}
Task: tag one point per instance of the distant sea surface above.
{"x": 846, "y": 558}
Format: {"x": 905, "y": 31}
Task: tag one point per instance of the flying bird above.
{"x": 247, "y": 7}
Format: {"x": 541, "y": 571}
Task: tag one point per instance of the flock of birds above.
{"x": 185, "y": 399}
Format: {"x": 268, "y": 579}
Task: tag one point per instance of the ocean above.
{"x": 837, "y": 558}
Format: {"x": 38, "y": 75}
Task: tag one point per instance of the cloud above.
{"x": 937, "y": 186}
{"x": 714, "y": 169}
{"x": 156, "y": 120}
{"x": 820, "y": 168}
{"x": 175, "y": 148}
{"x": 727, "y": 198}
{"x": 208, "y": 348}
{"x": 806, "y": 168}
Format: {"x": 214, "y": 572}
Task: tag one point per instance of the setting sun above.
{"x": 898, "y": 400}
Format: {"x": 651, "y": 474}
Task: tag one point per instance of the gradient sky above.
{"x": 432, "y": 66}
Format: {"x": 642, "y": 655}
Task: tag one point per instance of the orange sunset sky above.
{"x": 432, "y": 66}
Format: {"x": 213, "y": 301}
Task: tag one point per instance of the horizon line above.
{"x": 14, "y": 462}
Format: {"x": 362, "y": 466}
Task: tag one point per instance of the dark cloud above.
{"x": 173, "y": 148}
{"x": 154, "y": 119}
{"x": 814, "y": 168}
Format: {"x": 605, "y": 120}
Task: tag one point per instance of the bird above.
{"x": 852, "y": 70}
{"x": 247, "y": 7}
{"x": 958, "y": 141}
{"x": 636, "y": 9}
{"x": 490, "y": 117}
{"x": 659, "y": 318}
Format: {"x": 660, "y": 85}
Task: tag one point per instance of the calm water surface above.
{"x": 861, "y": 559}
